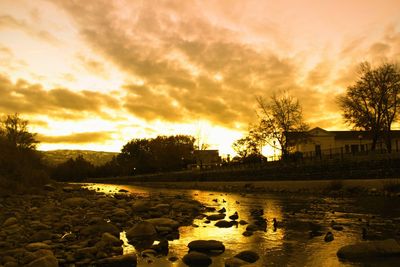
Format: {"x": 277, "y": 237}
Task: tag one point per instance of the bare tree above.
{"x": 279, "y": 115}
{"x": 201, "y": 139}
{"x": 372, "y": 103}
{"x": 15, "y": 130}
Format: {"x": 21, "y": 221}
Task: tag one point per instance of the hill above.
{"x": 54, "y": 157}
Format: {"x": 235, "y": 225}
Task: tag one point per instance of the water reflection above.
{"x": 287, "y": 245}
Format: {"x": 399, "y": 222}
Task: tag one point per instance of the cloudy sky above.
{"x": 95, "y": 74}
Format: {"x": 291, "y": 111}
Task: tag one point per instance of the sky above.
{"x": 95, "y": 74}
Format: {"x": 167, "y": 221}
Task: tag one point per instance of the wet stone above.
{"x": 248, "y": 256}
{"x": 206, "y": 246}
{"x": 196, "y": 259}
{"x": 215, "y": 217}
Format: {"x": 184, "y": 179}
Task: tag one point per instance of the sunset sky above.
{"x": 95, "y": 74}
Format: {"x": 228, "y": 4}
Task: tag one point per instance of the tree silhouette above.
{"x": 15, "y": 129}
{"x": 279, "y": 115}
{"x": 372, "y": 103}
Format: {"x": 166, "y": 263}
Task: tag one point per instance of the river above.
{"x": 290, "y": 243}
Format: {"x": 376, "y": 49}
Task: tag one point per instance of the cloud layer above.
{"x": 184, "y": 61}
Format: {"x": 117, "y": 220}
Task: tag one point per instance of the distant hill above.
{"x": 97, "y": 158}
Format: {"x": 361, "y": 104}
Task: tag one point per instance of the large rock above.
{"x": 76, "y": 202}
{"x": 224, "y": 224}
{"x": 142, "y": 235}
{"x": 128, "y": 260}
{"x": 206, "y": 246}
{"x": 164, "y": 222}
{"x": 369, "y": 249}
{"x": 215, "y": 217}
{"x": 196, "y": 259}
{"x": 46, "y": 261}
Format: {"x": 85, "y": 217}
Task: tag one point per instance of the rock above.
{"x": 173, "y": 258}
{"x": 46, "y": 261}
{"x": 99, "y": 229}
{"x": 206, "y": 246}
{"x": 86, "y": 253}
{"x": 10, "y": 221}
{"x": 142, "y": 234}
{"x": 11, "y": 264}
{"x": 252, "y": 227}
{"x": 223, "y": 210}
{"x": 76, "y": 202}
{"x": 247, "y": 233}
{"x": 111, "y": 240}
{"x": 68, "y": 189}
{"x": 49, "y": 187}
{"x": 37, "y": 246}
{"x": 328, "y": 237}
{"x": 148, "y": 253}
{"x": 234, "y": 216}
{"x": 8, "y": 258}
{"x": 162, "y": 247}
{"x": 235, "y": 262}
{"x": 337, "y": 227}
{"x": 196, "y": 259}
{"x": 215, "y": 217}
{"x": 224, "y": 224}
{"x": 164, "y": 222}
{"x": 140, "y": 206}
{"x": 248, "y": 256}
{"x": 128, "y": 260}
{"x": 164, "y": 208}
{"x": 368, "y": 249}
{"x": 185, "y": 206}
{"x": 41, "y": 236}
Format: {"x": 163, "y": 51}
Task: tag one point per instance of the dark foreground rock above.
{"x": 196, "y": 259}
{"x": 207, "y": 246}
{"x": 370, "y": 249}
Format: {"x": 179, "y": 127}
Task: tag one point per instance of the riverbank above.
{"x": 348, "y": 187}
{"x": 66, "y": 225}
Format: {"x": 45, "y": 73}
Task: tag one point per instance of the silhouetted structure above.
{"x": 319, "y": 142}
{"x": 206, "y": 158}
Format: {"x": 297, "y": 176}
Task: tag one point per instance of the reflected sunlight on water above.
{"x": 288, "y": 245}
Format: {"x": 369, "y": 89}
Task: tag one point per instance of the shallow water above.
{"x": 289, "y": 244}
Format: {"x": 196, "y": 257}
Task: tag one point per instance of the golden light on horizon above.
{"x": 93, "y": 76}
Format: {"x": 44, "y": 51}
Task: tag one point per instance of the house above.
{"x": 206, "y": 158}
{"x": 320, "y": 142}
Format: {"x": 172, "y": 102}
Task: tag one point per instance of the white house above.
{"x": 318, "y": 141}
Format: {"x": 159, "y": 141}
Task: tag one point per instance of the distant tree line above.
{"x": 138, "y": 156}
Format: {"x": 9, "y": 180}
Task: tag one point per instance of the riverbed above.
{"x": 298, "y": 238}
